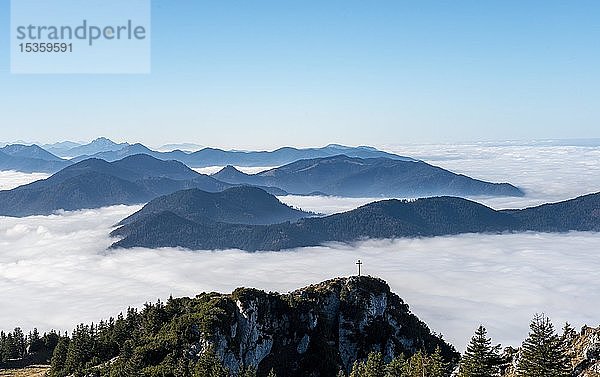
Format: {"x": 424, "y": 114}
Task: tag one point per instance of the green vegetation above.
{"x": 18, "y": 349}
{"x": 544, "y": 352}
{"x": 418, "y": 365}
{"x": 481, "y": 359}
{"x": 199, "y": 337}
{"x": 177, "y": 226}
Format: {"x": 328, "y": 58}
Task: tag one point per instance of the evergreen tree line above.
{"x": 130, "y": 345}
{"x": 544, "y": 353}
{"x": 17, "y": 348}
{"x": 418, "y": 365}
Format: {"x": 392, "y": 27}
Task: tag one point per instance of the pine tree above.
{"x": 543, "y": 353}
{"x": 59, "y": 357}
{"x": 248, "y": 371}
{"x": 397, "y": 367}
{"x": 481, "y": 359}
{"x": 20, "y": 343}
{"x": 568, "y": 337}
{"x": 358, "y": 369}
{"x": 209, "y": 365}
{"x": 436, "y": 367}
{"x": 375, "y": 366}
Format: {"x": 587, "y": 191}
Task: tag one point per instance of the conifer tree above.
{"x": 568, "y": 338}
{"x": 543, "y": 353}
{"x": 59, "y": 357}
{"x": 358, "y": 369}
{"x": 398, "y": 367}
{"x": 248, "y": 371}
{"x": 481, "y": 359}
{"x": 436, "y": 367}
{"x": 209, "y": 365}
{"x": 375, "y": 366}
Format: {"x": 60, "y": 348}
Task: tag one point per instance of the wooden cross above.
{"x": 359, "y": 263}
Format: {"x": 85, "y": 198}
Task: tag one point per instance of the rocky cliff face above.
{"x": 586, "y": 350}
{"x": 318, "y": 330}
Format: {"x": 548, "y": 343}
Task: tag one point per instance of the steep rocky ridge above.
{"x": 316, "y": 330}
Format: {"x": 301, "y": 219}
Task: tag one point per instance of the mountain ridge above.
{"x": 207, "y": 157}
{"x": 236, "y": 205}
{"x": 388, "y": 219}
{"x": 345, "y": 176}
{"x": 95, "y": 183}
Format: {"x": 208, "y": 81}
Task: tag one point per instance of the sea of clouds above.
{"x": 55, "y": 271}
{"x": 11, "y": 179}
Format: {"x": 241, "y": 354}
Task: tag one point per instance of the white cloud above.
{"x": 546, "y": 173}
{"x": 10, "y": 179}
{"x": 55, "y": 271}
{"x": 244, "y": 169}
{"x": 326, "y": 205}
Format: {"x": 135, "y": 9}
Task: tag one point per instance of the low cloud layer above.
{"x": 55, "y": 271}
{"x": 11, "y": 179}
{"x": 244, "y": 169}
{"x": 546, "y": 173}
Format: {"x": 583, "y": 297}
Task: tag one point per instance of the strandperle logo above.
{"x": 84, "y": 31}
{"x": 80, "y": 36}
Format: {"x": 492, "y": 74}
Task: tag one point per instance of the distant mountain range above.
{"x": 30, "y": 159}
{"x": 97, "y": 146}
{"x": 427, "y": 217}
{"x": 371, "y": 177}
{"x": 96, "y": 183}
{"x": 110, "y": 151}
{"x": 217, "y": 157}
{"x": 340, "y": 175}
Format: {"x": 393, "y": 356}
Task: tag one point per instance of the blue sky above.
{"x": 261, "y": 74}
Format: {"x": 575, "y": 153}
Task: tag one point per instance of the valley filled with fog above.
{"x": 56, "y": 271}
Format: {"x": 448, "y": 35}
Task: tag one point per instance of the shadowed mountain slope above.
{"x": 387, "y": 219}
{"x": 237, "y": 205}
{"x": 96, "y": 183}
{"x": 373, "y": 177}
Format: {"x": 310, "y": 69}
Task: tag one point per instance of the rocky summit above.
{"x": 317, "y": 330}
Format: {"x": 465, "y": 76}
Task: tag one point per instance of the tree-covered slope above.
{"x": 314, "y": 331}
{"x": 582, "y": 213}
{"x": 237, "y": 205}
{"x": 96, "y": 183}
{"x": 385, "y": 219}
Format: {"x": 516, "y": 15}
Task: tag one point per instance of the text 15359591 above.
{"x": 45, "y": 47}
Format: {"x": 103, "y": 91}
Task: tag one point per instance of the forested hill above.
{"x": 385, "y": 219}
{"x": 237, "y": 205}
{"x": 95, "y": 183}
{"x": 315, "y": 331}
